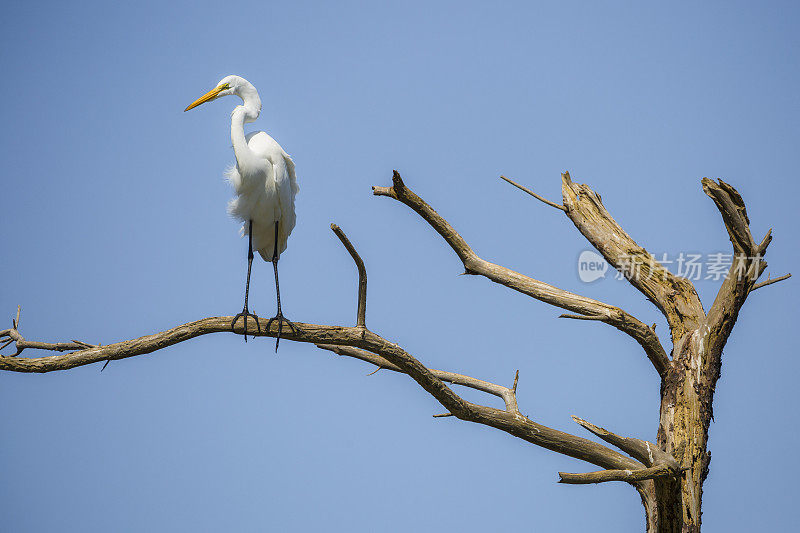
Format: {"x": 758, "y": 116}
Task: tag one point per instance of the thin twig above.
{"x": 770, "y": 281}
{"x": 545, "y": 200}
{"x": 442, "y": 415}
{"x": 361, "y": 317}
{"x": 84, "y": 344}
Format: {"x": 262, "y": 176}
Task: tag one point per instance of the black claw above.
{"x": 244, "y": 314}
{"x": 280, "y": 319}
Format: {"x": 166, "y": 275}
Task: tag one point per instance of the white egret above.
{"x": 265, "y": 185}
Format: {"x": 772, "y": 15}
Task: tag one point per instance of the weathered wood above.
{"x": 628, "y": 476}
{"x": 676, "y": 297}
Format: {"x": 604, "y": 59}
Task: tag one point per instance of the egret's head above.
{"x": 226, "y": 86}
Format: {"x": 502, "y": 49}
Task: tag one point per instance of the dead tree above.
{"x": 667, "y": 473}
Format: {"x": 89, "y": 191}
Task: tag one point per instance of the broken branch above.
{"x": 361, "y": 315}
{"x": 646, "y": 452}
{"x": 629, "y": 476}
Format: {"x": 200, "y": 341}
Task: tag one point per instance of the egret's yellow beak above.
{"x": 210, "y": 95}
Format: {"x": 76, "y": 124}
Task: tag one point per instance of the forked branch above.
{"x": 748, "y": 260}
{"x": 507, "y": 394}
{"x": 12, "y": 335}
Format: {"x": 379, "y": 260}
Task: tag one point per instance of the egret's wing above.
{"x": 281, "y": 185}
{"x": 263, "y": 145}
{"x": 286, "y": 186}
{"x": 292, "y": 176}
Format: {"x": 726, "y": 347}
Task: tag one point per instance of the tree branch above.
{"x": 676, "y": 297}
{"x": 769, "y": 281}
{"x": 629, "y": 476}
{"x": 646, "y": 452}
{"x": 509, "y": 421}
{"x": 508, "y": 395}
{"x": 361, "y": 315}
{"x": 541, "y": 291}
{"x": 748, "y": 262}
{"x": 13, "y": 335}
{"x": 582, "y": 317}
{"x": 734, "y": 214}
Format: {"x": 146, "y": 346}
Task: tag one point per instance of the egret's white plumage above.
{"x": 264, "y": 181}
{"x": 263, "y": 178}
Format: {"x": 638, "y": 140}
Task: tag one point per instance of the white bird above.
{"x": 265, "y": 184}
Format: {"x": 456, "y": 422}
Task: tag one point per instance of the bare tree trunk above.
{"x": 683, "y": 433}
{"x": 668, "y": 473}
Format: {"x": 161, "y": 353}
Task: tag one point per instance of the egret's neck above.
{"x": 247, "y": 112}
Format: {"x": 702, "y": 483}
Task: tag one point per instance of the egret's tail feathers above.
{"x": 266, "y": 244}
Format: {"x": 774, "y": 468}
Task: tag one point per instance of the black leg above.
{"x": 245, "y": 312}
{"x": 279, "y": 318}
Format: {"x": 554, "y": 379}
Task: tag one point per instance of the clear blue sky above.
{"x": 114, "y": 226}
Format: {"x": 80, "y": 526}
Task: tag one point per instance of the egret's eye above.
{"x": 225, "y": 86}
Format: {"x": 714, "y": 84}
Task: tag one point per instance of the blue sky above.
{"x": 114, "y": 226}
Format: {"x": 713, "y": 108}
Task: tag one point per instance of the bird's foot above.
{"x": 281, "y": 320}
{"x": 244, "y": 314}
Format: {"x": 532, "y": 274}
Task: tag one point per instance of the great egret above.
{"x": 265, "y": 186}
